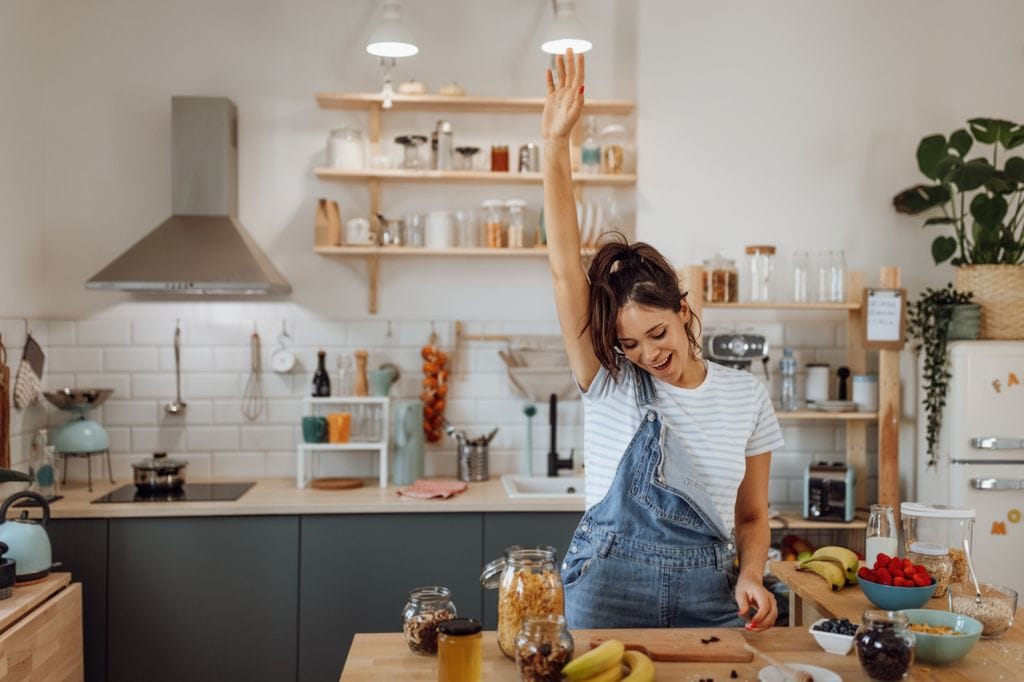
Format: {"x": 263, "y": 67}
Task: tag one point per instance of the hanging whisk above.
{"x": 252, "y": 396}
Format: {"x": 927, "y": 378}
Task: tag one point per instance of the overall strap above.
{"x": 645, "y": 393}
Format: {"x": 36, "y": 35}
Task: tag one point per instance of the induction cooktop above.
{"x": 190, "y": 492}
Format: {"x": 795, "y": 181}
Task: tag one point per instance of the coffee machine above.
{"x": 829, "y": 492}
{"x": 736, "y": 349}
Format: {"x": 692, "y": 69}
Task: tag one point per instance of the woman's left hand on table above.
{"x": 752, "y": 594}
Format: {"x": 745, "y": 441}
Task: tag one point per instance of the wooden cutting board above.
{"x": 681, "y": 644}
{"x": 336, "y": 483}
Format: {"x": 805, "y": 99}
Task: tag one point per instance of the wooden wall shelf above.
{"x": 490, "y": 105}
{"x": 783, "y": 305}
{"x": 471, "y": 177}
{"x": 538, "y": 252}
{"x": 827, "y": 416}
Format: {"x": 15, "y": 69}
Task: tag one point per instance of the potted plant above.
{"x": 983, "y": 202}
{"x": 935, "y": 318}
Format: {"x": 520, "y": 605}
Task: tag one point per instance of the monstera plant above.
{"x": 980, "y": 196}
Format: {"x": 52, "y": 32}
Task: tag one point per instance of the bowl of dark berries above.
{"x": 895, "y": 584}
{"x": 834, "y": 635}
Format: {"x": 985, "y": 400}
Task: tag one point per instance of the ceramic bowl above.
{"x": 830, "y": 641}
{"x": 897, "y": 598}
{"x": 941, "y": 649}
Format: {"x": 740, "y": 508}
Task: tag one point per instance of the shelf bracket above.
{"x": 373, "y": 272}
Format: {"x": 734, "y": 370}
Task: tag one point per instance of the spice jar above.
{"x": 528, "y": 585}
{"x": 940, "y": 525}
{"x": 499, "y": 157}
{"x": 494, "y": 223}
{"x": 721, "y": 281}
{"x": 760, "y": 263}
{"x": 428, "y": 607}
{"x": 885, "y": 646}
{"x": 460, "y": 651}
{"x": 936, "y": 559}
{"x": 543, "y": 647}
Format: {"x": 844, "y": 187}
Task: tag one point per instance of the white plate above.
{"x": 772, "y": 674}
{"x": 833, "y": 405}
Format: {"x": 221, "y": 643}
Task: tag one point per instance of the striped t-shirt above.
{"x": 726, "y": 419}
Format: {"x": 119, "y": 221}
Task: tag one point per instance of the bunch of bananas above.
{"x": 605, "y": 664}
{"x": 837, "y": 565}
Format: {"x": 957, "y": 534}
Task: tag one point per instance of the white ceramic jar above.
{"x": 440, "y": 230}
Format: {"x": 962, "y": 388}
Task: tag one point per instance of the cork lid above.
{"x": 761, "y": 248}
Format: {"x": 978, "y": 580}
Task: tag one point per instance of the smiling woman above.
{"x": 677, "y": 451}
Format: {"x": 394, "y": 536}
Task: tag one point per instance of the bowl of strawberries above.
{"x": 895, "y": 584}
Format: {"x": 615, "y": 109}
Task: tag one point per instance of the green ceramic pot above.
{"x": 965, "y": 322}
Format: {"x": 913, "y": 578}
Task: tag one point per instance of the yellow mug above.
{"x": 339, "y": 427}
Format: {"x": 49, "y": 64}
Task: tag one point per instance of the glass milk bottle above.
{"x": 881, "y": 534}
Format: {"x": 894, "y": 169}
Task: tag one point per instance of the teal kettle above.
{"x": 26, "y": 539}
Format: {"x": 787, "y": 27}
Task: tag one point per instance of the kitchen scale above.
{"x": 80, "y": 437}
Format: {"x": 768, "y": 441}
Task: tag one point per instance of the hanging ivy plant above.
{"x": 928, "y": 322}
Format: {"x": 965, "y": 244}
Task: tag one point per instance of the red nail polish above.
{"x": 581, "y": 89}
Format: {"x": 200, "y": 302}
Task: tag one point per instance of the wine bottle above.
{"x": 321, "y": 382}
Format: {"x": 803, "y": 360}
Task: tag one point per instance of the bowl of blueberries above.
{"x": 834, "y": 635}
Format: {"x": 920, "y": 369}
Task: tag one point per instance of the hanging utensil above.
{"x": 252, "y": 396}
{"x": 176, "y": 407}
{"x": 974, "y": 577}
{"x": 282, "y": 360}
{"x": 5, "y": 409}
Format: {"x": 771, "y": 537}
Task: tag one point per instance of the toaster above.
{"x": 829, "y": 492}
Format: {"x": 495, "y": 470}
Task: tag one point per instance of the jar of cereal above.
{"x": 528, "y": 585}
{"x": 428, "y": 607}
{"x": 543, "y": 647}
{"x": 939, "y": 524}
{"x": 936, "y": 559}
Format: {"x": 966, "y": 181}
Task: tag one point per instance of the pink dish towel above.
{"x": 424, "y": 489}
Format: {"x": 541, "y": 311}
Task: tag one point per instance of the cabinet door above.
{"x": 80, "y": 545}
{"x": 203, "y": 599}
{"x": 357, "y": 571}
{"x": 503, "y": 530}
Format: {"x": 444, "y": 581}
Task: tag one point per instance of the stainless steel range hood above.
{"x": 201, "y": 248}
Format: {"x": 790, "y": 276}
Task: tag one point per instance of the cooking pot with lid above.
{"x": 159, "y": 473}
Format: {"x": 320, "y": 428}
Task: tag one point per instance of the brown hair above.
{"x": 623, "y": 273}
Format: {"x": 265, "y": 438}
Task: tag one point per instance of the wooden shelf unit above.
{"x": 888, "y": 415}
{"x": 373, "y": 104}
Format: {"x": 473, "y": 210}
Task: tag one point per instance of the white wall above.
{"x": 794, "y": 122}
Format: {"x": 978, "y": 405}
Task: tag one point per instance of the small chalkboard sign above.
{"x": 885, "y": 318}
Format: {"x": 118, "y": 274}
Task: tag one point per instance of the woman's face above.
{"x": 655, "y": 339}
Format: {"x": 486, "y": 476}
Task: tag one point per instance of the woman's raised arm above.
{"x": 572, "y": 291}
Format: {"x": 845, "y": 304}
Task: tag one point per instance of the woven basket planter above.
{"x": 1000, "y": 291}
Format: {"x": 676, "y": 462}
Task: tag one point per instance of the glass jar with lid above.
{"x": 346, "y": 148}
{"x": 885, "y": 645}
{"x": 460, "y": 651}
{"x": 936, "y": 559}
{"x": 940, "y": 525}
{"x": 543, "y": 647}
{"x": 516, "y": 223}
{"x": 427, "y": 608}
{"x": 613, "y": 149}
{"x": 528, "y": 584}
{"x": 760, "y": 263}
{"x": 721, "y": 281}
{"x": 494, "y": 223}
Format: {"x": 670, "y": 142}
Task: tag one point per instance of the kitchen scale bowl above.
{"x": 78, "y": 400}
{"x": 79, "y": 436}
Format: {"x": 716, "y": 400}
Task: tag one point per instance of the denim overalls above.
{"x": 654, "y": 551}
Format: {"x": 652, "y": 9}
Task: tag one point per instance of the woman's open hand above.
{"x": 750, "y": 592}
{"x": 565, "y": 100}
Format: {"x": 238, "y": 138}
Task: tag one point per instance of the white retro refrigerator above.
{"x": 980, "y": 454}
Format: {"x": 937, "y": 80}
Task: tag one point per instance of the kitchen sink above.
{"x": 542, "y": 486}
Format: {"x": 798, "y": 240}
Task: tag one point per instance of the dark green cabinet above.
{"x": 503, "y": 530}
{"x": 272, "y": 597}
{"x": 80, "y": 547}
{"x": 209, "y": 598}
{"x": 357, "y": 570}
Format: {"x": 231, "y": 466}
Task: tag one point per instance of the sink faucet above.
{"x": 554, "y": 461}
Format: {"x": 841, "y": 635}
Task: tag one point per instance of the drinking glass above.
{"x": 801, "y": 276}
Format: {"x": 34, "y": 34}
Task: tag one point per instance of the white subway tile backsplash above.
{"x": 217, "y": 385}
{"x": 283, "y": 412}
{"x": 239, "y": 464}
{"x": 281, "y": 464}
{"x": 155, "y": 386}
{"x": 778, "y": 491}
{"x": 103, "y": 333}
{"x": 119, "y": 383}
{"x": 119, "y": 438}
{"x": 74, "y": 360}
{"x": 316, "y": 333}
{"x": 230, "y": 412}
{"x": 268, "y": 437}
{"x": 54, "y": 381}
{"x": 192, "y": 360}
{"x": 153, "y": 439}
{"x": 129, "y": 412}
{"x": 232, "y": 359}
{"x": 12, "y": 333}
{"x": 60, "y": 333}
{"x": 366, "y": 334}
{"x": 153, "y": 332}
{"x": 131, "y": 360}
{"x": 212, "y": 438}
{"x": 216, "y": 332}
{"x": 817, "y": 334}
{"x": 814, "y": 439}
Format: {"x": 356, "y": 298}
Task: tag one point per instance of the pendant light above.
{"x": 565, "y": 31}
{"x": 390, "y": 37}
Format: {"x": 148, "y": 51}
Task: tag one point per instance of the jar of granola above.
{"x": 543, "y": 647}
{"x": 528, "y": 584}
{"x": 940, "y": 525}
{"x": 428, "y": 607}
{"x": 936, "y": 559}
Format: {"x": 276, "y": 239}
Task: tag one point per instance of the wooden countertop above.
{"x": 387, "y": 657}
{"x": 27, "y": 597}
{"x": 990, "y": 659}
{"x": 280, "y": 496}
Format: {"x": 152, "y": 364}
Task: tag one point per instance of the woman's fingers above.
{"x": 551, "y": 82}
{"x": 560, "y": 67}
{"x": 581, "y": 70}
{"x": 570, "y": 68}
